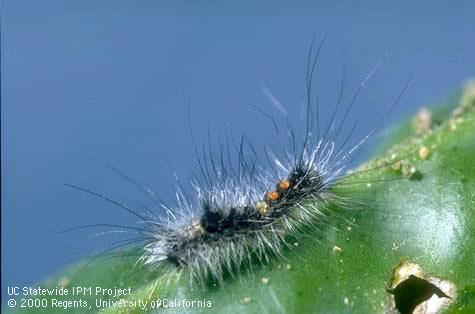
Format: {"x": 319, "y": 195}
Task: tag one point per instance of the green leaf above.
{"x": 421, "y": 211}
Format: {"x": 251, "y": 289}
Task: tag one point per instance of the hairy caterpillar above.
{"x": 241, "y": 208}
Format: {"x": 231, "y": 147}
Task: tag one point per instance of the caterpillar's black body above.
{"x": 214, "y": 225}
{"x": 223, "y": 229}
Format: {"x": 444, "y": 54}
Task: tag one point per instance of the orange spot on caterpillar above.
{"x": 273, "y": 196}
{"x": 284, "y": 185}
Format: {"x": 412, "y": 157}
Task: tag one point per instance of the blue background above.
{"x": 91, "y": 83}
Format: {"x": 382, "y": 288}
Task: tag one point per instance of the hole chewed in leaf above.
{"x": 413, "y": 291}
